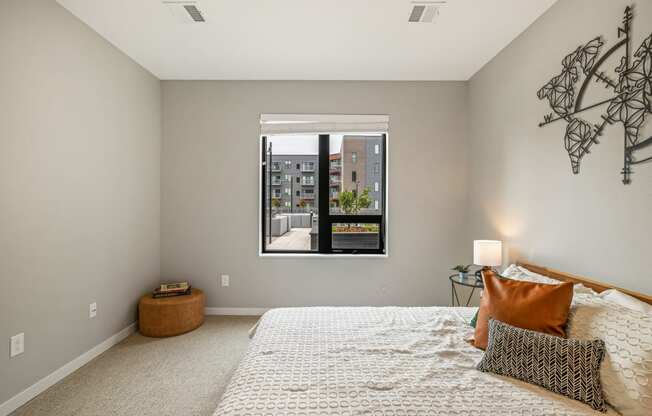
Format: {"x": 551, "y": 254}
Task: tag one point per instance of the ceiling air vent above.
{"x": 194, "y": 12}
{"x": 185, "y": 11}
{"x": 425, "y": 11}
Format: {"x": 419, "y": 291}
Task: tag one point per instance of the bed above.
{"x": 376, "y": 361}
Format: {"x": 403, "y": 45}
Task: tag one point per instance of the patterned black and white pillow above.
{"x": 566, "y": 366}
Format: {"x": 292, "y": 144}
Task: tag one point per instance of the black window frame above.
{"x": 326, "y": 218}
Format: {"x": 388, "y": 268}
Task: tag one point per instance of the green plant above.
{"x": 276, "y": 202}
{"x": 461, "y": 268}
{"x": 352, "y": 203}
{"x": 302, "y": 203}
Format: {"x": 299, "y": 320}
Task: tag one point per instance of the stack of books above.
{"x": 172, "y": 289}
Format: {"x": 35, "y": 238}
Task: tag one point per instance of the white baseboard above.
{"x": 49, "y": 380}
{"x": 235, "y": 311}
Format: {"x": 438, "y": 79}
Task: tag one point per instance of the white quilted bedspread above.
{"x": 376, "y": 361}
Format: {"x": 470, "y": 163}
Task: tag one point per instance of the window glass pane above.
{"x": 351, "y": 236}
{"x": 291, "y": 210}
{"x": 355, "y": 174}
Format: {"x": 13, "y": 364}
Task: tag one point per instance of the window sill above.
{"x": 321, "y": 255}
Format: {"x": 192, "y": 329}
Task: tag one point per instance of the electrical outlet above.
{"x": 92, "y": 310}
{"x": 17, "y": 344}
{"x": 225, "y": 280}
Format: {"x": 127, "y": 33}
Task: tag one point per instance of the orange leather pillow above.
{"x": 536, "y": 306}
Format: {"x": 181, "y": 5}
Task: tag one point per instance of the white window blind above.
{"x": 322, "y": 123}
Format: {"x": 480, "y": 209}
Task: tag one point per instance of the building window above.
{"x": 334, "y": 210}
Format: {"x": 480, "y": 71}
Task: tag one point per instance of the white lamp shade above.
{"x": 487, "y": 252}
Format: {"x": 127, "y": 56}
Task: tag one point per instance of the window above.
{"x": 288, "y": 164}
{"x": 334, "y": 200}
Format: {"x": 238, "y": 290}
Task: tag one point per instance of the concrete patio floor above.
{"x": 295, "y": 239}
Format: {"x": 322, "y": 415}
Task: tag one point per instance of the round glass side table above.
{"x": 469, "y": 281}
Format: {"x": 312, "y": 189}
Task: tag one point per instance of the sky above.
{"x": 302, "y": 144}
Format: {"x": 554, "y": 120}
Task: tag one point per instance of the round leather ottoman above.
{"x": 165, "y": 317}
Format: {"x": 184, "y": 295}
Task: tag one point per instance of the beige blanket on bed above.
{"x": 376, "y": 361}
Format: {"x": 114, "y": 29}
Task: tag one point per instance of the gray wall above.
{"x": 210, "y": 192}
{"x": 521, "y": 183}
{"x": 79, "y": 188}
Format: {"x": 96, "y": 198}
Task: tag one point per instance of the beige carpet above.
{"x": 183, "y": 375}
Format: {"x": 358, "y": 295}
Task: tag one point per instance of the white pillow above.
{"x": 580, "y": 289}
{"x": 626, "y": 371}
{"x": 521, "y": 273}
{"x": 625, "y": 300}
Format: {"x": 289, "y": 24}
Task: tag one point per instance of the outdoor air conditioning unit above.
{"x": 425, "y": 11}
{"x": 185, "y": 11}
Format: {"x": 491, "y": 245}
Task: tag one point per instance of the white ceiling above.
{"x": 310, "y": 40}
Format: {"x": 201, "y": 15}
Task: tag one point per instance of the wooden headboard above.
{"x": 595, "y": 285}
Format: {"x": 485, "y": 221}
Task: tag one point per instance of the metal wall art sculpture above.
{"x": 628, "y": 101}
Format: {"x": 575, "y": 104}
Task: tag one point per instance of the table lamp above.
{"x": 488, "y": 254}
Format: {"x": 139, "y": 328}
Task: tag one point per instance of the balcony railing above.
{"x": 276, "y": 182}
{"x": 276, "y": 167}
{"x": 307, "y": 167}
{"x": 308, "y": 181}
{"x": 307, "y": 196}
{"x": 335, "y": 195}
